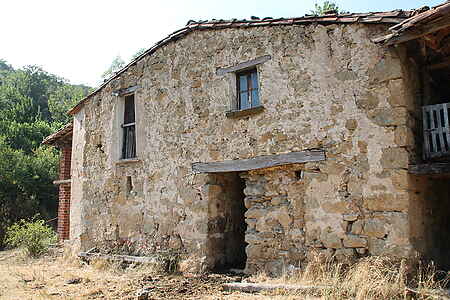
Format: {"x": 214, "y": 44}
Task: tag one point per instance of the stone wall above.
{"x": 275, "y": 218}
{"x": 325, "y": 87}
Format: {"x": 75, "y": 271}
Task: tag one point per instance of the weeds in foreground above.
{"x": 369, "y": 278}
{"x": 32, "y": 235}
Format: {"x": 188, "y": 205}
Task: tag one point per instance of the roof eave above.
{"x": 392, "y": 17}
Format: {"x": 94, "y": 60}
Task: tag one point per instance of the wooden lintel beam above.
{"x": 259, "y": 162}
{"x": 127, "y": 91}
{"x": 244, "y": 65}
{"x": 445, "y": 63}
{"x": 125, "y": 258}
{"x": 62, "y": 181}
{"x": 430, "y": 169}
{"x": 412, "y": 35}
{"x": 431, "y": 41}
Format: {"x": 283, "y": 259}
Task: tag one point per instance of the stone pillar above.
{"x": 64, "y": 193}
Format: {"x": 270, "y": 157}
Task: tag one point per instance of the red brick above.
{"x": 64, "y": 194}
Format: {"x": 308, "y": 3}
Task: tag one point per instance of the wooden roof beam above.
{"x": 416, "y": 34}
{"x": 445, "y": 63}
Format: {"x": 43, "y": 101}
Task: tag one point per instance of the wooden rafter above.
{"x": 434, "y": 40}
{"x": 443, "y": 64}
{"x": 416, "y": 33}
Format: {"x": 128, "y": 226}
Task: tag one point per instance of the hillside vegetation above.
{"x": 33, "y": 104}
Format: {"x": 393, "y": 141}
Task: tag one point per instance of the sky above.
{"x": 78, "y": 40}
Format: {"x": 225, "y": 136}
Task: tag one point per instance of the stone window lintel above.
{"x": 244, "y": 112}
{"x": 243, "y": 66}
{"x": 125, "y": 92}
{"x": 128, "y": 161}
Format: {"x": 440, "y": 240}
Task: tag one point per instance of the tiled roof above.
{"x": 64, "y": 132}
{"x": 389, "y": 17}
{"x": 419, "y": 17}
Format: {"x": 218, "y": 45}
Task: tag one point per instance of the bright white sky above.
{"x": 78, "y": 39}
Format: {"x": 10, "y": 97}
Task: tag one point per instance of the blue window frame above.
{"x": 247, "y": 89}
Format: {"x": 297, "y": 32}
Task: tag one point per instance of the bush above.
{"x": 34, "y": 236}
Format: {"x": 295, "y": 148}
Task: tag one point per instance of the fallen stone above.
{"x": 73, "y": 281}
{"x": 260, "y": 287}
{"x": 361, "y": 251}
{"x": 143, "y": 293}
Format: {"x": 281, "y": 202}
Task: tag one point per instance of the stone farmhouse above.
{"x": 254, "y": 143}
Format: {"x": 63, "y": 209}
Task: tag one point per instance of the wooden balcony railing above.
{"x": 436, "y": 131}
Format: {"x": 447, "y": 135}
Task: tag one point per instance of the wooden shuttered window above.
{"x": 129, "y": 129}
{"x": 436, "y": 130}
{"x": 247, "y": 89}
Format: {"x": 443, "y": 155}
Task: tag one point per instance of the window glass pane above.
{"x": 129, "y": 142}
{"x": 243, "y": 83}
{"x": 244, "y": 103}
{"x": 255, "y": 98}
{"x": 254, "y": 80}
{"x": 129, "y": 110}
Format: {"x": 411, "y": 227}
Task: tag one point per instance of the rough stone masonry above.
{"x": 324, "y": 87}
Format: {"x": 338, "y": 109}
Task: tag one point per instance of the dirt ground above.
{"x": 56, "y": 276}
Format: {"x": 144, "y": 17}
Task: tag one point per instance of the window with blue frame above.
{"x": 247, "y": 89}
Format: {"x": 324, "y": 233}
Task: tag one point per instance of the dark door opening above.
{"x": 436, "y": 222}
{"x": 226, "y": 222}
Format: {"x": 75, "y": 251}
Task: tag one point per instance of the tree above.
{"x": 138, "y": 53}
{"x": 33, "y": 104}
{"x": 4, "y": 66}
{"x": 64, "y": 98}
{"x": 325, "y": 7}
{"x": 117, "y": 64}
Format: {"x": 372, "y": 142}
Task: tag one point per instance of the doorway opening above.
{"x": 437, "y": 222}
{"x": 429, "y": 217}
{"x": 226, "y": 221}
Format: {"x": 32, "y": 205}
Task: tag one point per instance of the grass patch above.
{"x": 369, "y": 278}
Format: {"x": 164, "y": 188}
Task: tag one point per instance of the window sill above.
{"x": 128, "y": 161}
{"x": 244, "y": 112}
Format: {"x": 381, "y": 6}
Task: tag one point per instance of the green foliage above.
{"x": 32, "y": 106}
{"x": 26, "y": 184}
{"x": 325, "y": 7}
{"x": 34, "y": 236}
{"x": 138, "y": 53}
{"x": 117, "y": 64}
{"x": 64, "y": 98}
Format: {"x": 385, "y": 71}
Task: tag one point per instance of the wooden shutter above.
{"x": 436, "y": 130}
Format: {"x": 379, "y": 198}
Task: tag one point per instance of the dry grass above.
{"x": 62, "y": 276}
{"x": 369, "y": 278}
